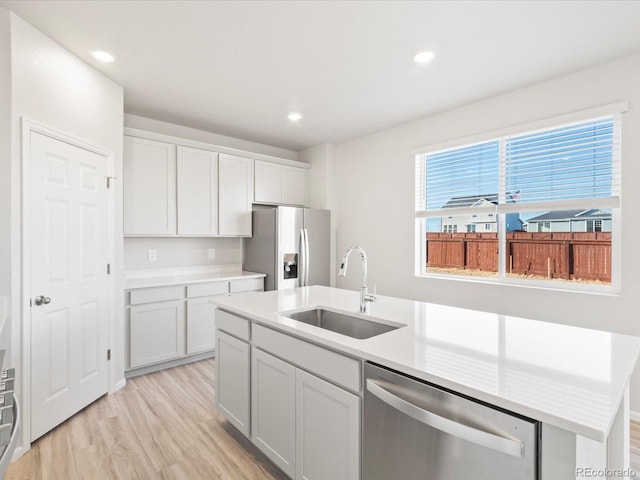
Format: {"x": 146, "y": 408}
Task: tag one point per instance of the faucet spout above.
{"x": 365, "y": 297}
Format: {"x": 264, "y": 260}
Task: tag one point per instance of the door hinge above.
{"x": 108, "y": 269}
{"x": 109, "y": 182}
{"x": 109, "y": 354}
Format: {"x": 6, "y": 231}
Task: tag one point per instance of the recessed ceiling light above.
{"x": 294, "y": 116}
{"x": 423, "y": 57}
{"x": 103, "y": 56}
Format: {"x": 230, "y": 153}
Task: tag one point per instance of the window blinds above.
{"x": 568, "y": 165}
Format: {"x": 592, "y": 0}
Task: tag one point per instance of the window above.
{"x": 594, "y": 225}
{"x": 537, "y": 192}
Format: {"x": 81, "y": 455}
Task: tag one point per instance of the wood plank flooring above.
{"x": 162, "y": 425}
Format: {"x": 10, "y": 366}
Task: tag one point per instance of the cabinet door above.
{"x": 201, "y": 325}
{"x": 294, "y": 185}
{"x": 149, "y": 187}
{"x": 197, "y": 191}
{"x": 232, "y": 380}
{"x": 268, "y": 182}
{"x": 327, "y": 430}
{"x": 235, "y": 195}
{"x": 273, "y": 413}
{"x": 156, "y": 332}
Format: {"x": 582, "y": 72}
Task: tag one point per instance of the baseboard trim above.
{"x": 173, "y": 363}
{"x": 119, "y": 385}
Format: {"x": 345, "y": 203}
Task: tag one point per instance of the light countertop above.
{"x": 149, "y": 278}
{"x": 569, "y": 377}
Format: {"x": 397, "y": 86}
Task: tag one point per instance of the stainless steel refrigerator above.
{"x": 290, "y": 245}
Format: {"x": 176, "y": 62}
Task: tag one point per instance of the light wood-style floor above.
{"x": 160, "y": 426}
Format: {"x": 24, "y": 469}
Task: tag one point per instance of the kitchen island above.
{"x": 573, "y": 381}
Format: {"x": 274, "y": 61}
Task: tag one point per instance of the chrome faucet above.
{"x": 365, "y": 297}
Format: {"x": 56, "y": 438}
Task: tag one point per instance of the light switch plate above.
{"x": 152, "y": 254}
{"x": 212, "y": 253}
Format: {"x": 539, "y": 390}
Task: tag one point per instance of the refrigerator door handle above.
{"x": 302, "y": 260}
{"x": 307, "y": 255}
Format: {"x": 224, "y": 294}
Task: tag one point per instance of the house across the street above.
{"x": 481, "y": 222}
{"x": 593, "y": 220}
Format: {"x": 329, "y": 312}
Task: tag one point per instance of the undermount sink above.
{"x": 343, "y": 323}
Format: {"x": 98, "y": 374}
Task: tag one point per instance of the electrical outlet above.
{"x": 212, "y": 253}
{"x": 152, "y": 254}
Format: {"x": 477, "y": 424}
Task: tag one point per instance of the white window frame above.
{"x": 613, "y": 203}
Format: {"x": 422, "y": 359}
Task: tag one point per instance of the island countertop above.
{"x": 569, "y": 377}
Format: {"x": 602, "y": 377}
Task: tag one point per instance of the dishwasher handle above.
{"x": 479, "y": 437}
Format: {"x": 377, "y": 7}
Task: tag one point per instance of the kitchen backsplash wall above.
{"x": 180, "y": 252}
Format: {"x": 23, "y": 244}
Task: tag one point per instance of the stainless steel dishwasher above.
{"x": 413, "y": 430}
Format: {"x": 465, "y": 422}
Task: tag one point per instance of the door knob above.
{"x": 42, "y": 300}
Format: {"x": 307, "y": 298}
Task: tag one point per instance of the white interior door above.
{"x": 69, "y": 284}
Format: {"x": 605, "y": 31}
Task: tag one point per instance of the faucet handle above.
{"x": 371, "y": 297}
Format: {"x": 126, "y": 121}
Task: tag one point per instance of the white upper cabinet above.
{"x": 180, "y": 187}
{"x": 294, "y": 185}
{"x": 268, "y": 182}
{"x": 149, "y": 187}
{"x": 235, "y": 194}
{"x": 197, "y": 192}
{"x": 280, "y": 184}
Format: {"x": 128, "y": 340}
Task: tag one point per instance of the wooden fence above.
{"x": 570, "y": 255}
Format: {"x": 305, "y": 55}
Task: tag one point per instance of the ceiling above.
{"x": 239, "y": 67}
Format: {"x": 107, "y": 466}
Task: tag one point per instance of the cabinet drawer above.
{"x": 207, "y": 289}
{"x": 160, "y": 294}
{"x": 339, "y": 369}
{"x": 247, "y": 285}
{"x": 232, "y": 324}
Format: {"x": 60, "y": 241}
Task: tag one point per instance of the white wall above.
{"x": 5, "y": 178}
{"x": 320, "y": 184}
{"x": 181, "y": 252}
{"x": 373, "y": 201}
{"x": 157, "y": 126}
{"x": 53, "y": 87}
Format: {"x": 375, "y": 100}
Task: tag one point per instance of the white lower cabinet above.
{"x": 232, "y": 380}
{"x": 156, "y": 332}
{"x": 273, "y": 412}
{"x": 305, "y": 425}
{"x": 309, "y": 427}
{"x": 201, "y": 325}
{"x": 327, "y": 430}
{"x": 172, "y": 325}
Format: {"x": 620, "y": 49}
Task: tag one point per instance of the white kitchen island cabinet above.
{"x": 327, "y": 430}
{"x": 273, "y": 409}
{"x": 197, "y": 190}
{"x": 232, "y": 380}
{"x": 235, "y": 187}
{"x": 305, "y": 425}
{"x": 149, "y": 187}
{"x": 308, "y": 426}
